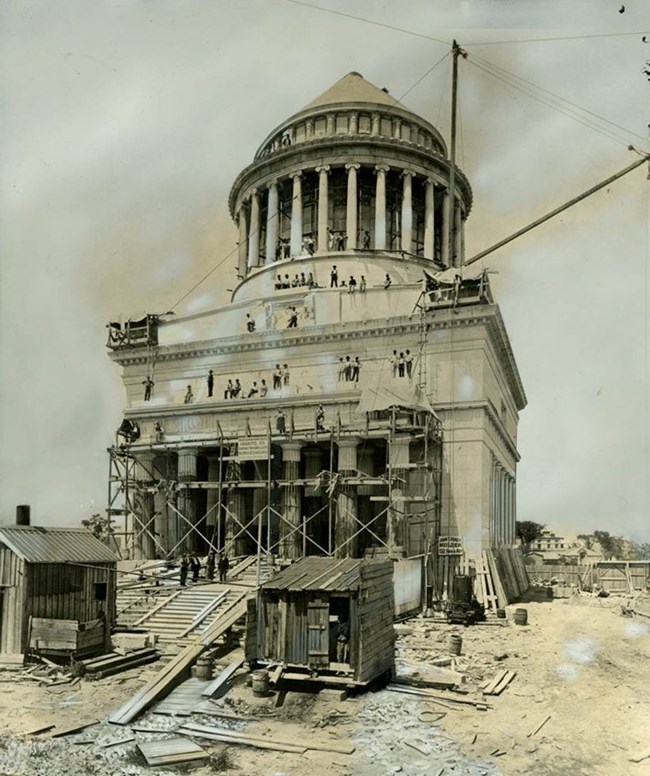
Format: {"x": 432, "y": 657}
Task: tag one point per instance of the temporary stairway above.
{"x": 186, "y": 613}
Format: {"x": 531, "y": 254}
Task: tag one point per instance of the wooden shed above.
{"x": 307, "y": 613}
{"x": 64, "y": 578}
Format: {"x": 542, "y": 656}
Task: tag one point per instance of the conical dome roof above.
{"x": 353, "y": 87}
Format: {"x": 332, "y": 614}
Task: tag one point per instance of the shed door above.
{"x": 318, "y": 615}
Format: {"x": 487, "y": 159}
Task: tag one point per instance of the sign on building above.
{"x": 450, "y": 545}
{"x": 253, "y": 448}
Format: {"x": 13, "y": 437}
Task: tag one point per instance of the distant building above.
{"x": 387, "y": 419}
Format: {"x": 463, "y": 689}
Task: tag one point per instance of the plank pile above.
{"x": 114, "y": 663}
{"x": 502, "y": 577}
{"x": 499, "y": 683}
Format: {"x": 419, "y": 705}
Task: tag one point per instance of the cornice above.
{"x": 259, "y": 341}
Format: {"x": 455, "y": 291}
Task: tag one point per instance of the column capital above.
{"x": 352, "y": 166}
{"x": 291, "y": 451}
{"x": 348, "y": 442}
{"x": 295, "y": 175}
{"x": 272, "y": 183}
{"x": 324, "y": 168}
{"x": 407, "y": 173}
{"x": 250, "y": 194}
{"x": 382, "y": 168}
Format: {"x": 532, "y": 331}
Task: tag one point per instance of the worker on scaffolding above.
{"x": 183, "y": 571}
{"x": 281, "y": 422}
{"x": 224, "y": 565}
{"x": 210, "y": 565}
{"x": 148, "y": 387}
{"x": 320, "y": 418}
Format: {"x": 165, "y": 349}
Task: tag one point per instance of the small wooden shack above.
{"x": 59, "y": 580}
{"x": 324, "y": 617}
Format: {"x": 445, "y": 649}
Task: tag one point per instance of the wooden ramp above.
{"x": 183, "y": 700}
{"x": 177, "y": 669}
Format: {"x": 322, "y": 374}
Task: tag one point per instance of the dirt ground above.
{"x": 581, "y": 666}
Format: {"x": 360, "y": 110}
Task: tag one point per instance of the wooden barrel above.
{"x": 260, "y": 683}
{"x": 203, "y": 668}
{"x": 501, "y": 614}
{"x": 455, "y": 644}
{"x": 521, "y": 616}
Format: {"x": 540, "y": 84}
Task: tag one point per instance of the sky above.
{"x": 124, "y": 124}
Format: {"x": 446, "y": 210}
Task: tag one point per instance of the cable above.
{"x": 368, "y": 21}
{"x": 446, "y": 42}
{"x": 524, "y": 90}
{"x": 557, "y": 96}
{"x": 396, "y": 101}
{"x": 550, "y": 40}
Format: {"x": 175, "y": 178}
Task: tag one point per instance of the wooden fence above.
{"x": 614, "y": 576}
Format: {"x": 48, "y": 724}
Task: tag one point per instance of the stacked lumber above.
{"x": 507, "y": 573}
{"x": 499, "y": 683}
{"x": 115, "y": 663}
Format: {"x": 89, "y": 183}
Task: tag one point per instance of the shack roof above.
{"x": 55, "y": 545}
{"x": 323, "y": 574}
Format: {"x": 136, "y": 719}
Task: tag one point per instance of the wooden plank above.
{"x": 322, "y": 746}
{"x": 172, "y": 674}
{"x": 296, "y": 749}
{"x": 66, "y": 731}
{"x": 170, "y": 751}
{"x": 223, "y": 677}
{"x": 502, "y": 598}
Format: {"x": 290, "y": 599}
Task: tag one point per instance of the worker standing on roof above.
{"x": 148, "y": 387}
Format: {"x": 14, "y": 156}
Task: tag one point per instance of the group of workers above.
{"x": 193, "y": 564}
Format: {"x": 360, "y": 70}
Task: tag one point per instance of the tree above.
{"x": 98, "y": 525}
{"x": 528, "y": 532}
{"x": 587, "y": 540}
{"x": 612, "y": 546}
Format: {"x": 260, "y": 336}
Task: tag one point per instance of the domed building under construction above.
{"x": 358, "y": 396}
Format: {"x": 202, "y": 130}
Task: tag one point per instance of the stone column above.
{"x": 323, "y": 207}
{"x": 296, "y": 215}
{"x": 243, "y": 242}
{"x": 429, "y": 220}
{"x": 407, "y": 210}
{"x": 457, "y": 234}
{"x": 212, "y": 501}
{"x": 235, "y": 506}
{"x": 309, "y": 128}
{"x": 352, "y": 206}
{"x": 186, "y": 499}
{"x": 445, "y": 228}
{"x": 272, "y": 223}
{"x": 144, "y": 522}
{"x": 397, "y": 128}
{"x": 331, "y": 123}
{"x": 513, "y": 521}
{"x": 375, "y": 124}
{"x": 291, "y": 543}
{"x": 254, "y": 232}
{"x": 380, "y": 207}
{"x": 346, "y": 502}
{"x": 462, "y": 240}
{"x": 353, "y": 126}
{"x": 399, "y": 458}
